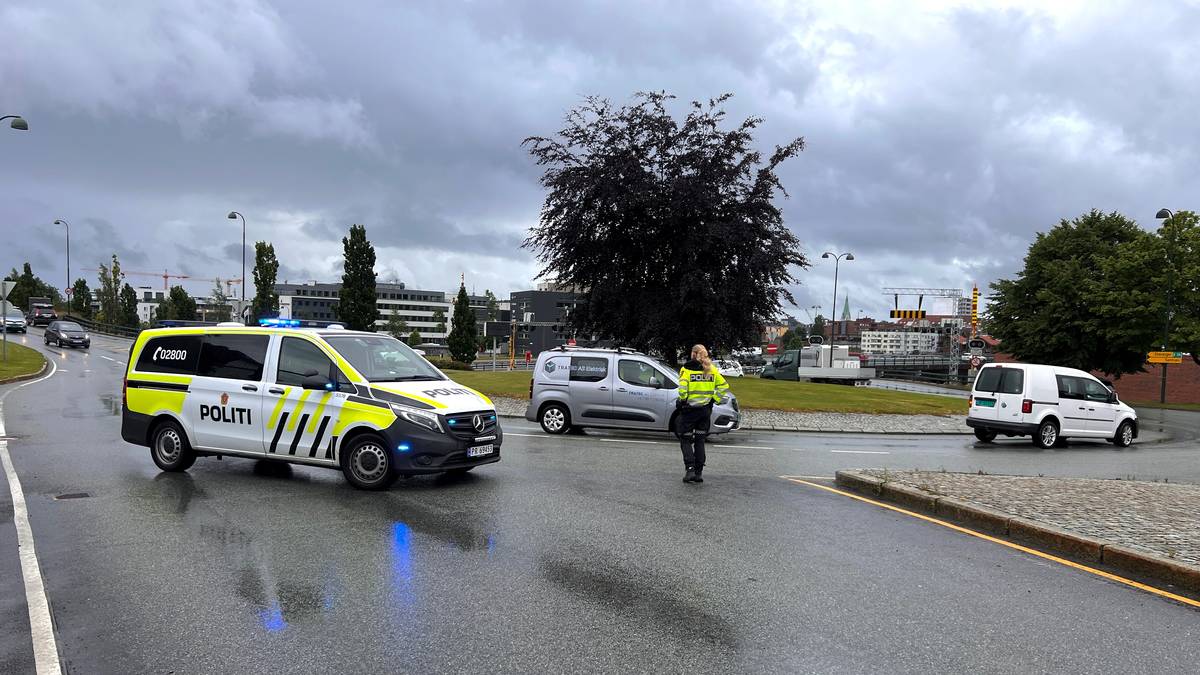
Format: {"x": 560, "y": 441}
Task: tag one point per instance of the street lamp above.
{"x": 837, "y": 261}
{"x": 1165, "y": 215}
{"x": 234, "y": 215}
{"x": 67, "y": 288}
{"x": 17, "y": 123}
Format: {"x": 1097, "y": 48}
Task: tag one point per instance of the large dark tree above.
{"x": 128, "y": 307}
{"x": 266, "y": 269}
{"x": 177, "y": 305}
{"x": 668, "y": 226}
{"x": 463, "y": 341}
{"x": 108, "y": 293}
{"x": 356, "y": 305}
{"x": 1060, "y": 308}
{"x": 29, "y": 286}
{"x": 81, "y": 299}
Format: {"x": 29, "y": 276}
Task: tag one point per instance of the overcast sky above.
{"x": 941, "y": 135}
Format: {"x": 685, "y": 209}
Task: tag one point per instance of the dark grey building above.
{"x": 541, "y": 318}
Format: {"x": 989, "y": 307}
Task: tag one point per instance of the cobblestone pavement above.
{"x": 1158, "y": 518}
{"x": 792, "y": 421}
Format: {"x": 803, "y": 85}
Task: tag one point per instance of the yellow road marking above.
{"x": 291, "y": 425}
{"x": 312, "y": 421}
{"x": 278, "y": 407}
{"x": 1009, "y": 544}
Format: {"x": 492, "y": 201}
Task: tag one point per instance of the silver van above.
{"x": 610, "y": 388}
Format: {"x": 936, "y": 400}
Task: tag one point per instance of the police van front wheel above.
{"x": 169, "y": 448}
{"x": 367, "y": 464}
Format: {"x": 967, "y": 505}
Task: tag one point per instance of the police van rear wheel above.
{"x": 169, "y": 448}
{"x": 555, "y": 419}
{"x": 367, "y": 464}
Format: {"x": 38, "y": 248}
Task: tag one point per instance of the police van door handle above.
{"x": 249, "y": 387}
{"x": 275, "y": 390}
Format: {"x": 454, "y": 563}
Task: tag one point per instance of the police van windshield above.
{"x": 381, "y": 358}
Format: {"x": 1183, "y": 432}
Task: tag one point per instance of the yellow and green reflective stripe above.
{"x": 291, "y": 425}
{"x": 312, "y": 423}
{"x": 278, "y": 408}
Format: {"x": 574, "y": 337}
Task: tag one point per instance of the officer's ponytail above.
{"x": 700, "y": 353}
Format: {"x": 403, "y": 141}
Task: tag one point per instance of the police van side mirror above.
{"x": 315, "y": 380}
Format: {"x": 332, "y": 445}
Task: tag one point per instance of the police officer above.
{"x": 700, "y": 386}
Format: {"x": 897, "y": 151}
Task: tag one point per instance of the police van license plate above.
{"x": 481, "y": 450}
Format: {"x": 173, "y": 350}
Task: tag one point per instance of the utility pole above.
{"x": 1165, "y": 215}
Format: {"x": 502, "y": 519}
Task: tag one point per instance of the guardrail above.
{"x": 104, "y": 328}
{"x": 501, "y": 365}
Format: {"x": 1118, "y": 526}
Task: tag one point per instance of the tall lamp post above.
{"x": 1165, "y": 215}
{"x": 234, "y": 215}
{"x": 17, "y": 122}
{"x": 837, "y": 261}
{"x": 67, "y": 288}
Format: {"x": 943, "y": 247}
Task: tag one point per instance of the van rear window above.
{"x": 176, "y": 354}
{"x": 1001, "y": 380}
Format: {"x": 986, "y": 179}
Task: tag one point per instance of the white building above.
{"x": 149, "y": 299}
{"x": 898, "y": 342}
{"x": 319, "y": 301}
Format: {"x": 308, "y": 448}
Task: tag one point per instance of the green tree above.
{"x": 1061, "y": 307}
{"x": 81, "y": 299}
{"x": 266, "y": 269}
{"x": 396, "y": 326}
{"x": 129, "y": 307}
{"x": 493, "y": 306}
{"x": 464, "y": 333}
{"x": 177, "y": 305}
{"x": 108, "y": 294}
{"x": 818, "y": 326}
{"x": 356, "y": 306}
{"x": 668, "y": 227}
{"x": 30, "y": 286}
{"x": 220, "y": 302}
{"x": 414, "y": 339}
{"x": 793, "y": 339}
{"x": 439, "y": 317}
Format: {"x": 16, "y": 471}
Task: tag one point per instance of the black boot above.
{"x": 690, "y": 476}
{"x": 699, "y": 477}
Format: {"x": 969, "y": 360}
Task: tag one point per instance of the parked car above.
{"x": 575, "y": 388}
{"x": 14, "y": 322}
{"x": 729, "y": 368}
{"x": 41, "y": 315}
{"x": 1047, "y": 403}
{"x": 66, "y": 334}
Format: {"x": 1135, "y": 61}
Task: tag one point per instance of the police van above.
{"x": 364, "y": 403}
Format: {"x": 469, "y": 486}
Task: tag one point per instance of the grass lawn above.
{"x": 21, "y": 361}
{"x": 1168, "y": 406}
{"x": 763, "y": 394}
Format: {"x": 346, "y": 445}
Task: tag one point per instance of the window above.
{"x": 1069, "y": 387}
{"x": 584, "y": 369}
{"x": 638, "y": 373}
{"x": 1012, "y": 381}
{"x": 1094, "y": 391}
{"x": 176, "y": 354}
{"x": 297, "y": 357}
{"x": 382, "y": 358}
{"x": 236, "y": 357}
{"x": 988, "y": 380}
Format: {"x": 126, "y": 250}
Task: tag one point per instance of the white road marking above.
{"x": 862, "y": 452}
{"x": 509, "y": 433}
{"x": 109, "y": 358}
{"x": 625, "y": 440}
{"x": 744, "y": 447}
{"x": 41, "y": 626}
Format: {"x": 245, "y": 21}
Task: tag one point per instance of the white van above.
{"x": 1047, "y": 403}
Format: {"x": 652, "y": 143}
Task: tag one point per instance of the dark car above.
{"x": 67, "y": 334}
{"x": 42, "y": 316}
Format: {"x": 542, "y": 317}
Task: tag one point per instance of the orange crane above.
{"x": 167, "y": 276}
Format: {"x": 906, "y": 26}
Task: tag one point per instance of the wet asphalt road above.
{"x": 573, "y": 553}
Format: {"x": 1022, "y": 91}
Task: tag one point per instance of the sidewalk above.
{"x": 1137, "y": 526}
{"x": 777, "y": 420}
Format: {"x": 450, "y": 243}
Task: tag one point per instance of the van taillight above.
{"x": 531, "y": 389}
{"x": 970, "y": 401}
{"x": 1026, "y": 406}
{"x": 125, "y": 392}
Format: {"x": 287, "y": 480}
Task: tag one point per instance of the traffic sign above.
{"x": 772, "y": 348}
{"x": 1165, "y": 357}
{"x": 6, "y": 288}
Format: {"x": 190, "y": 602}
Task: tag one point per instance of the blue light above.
{"x": 453, "y": 422}
{"x": 329, "y": 385}
{"x": 404, "y": 447}
{"x": 280, "y": 323}
{"x": 272, "y": 618}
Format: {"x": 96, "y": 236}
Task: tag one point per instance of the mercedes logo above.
{"x": 477, "y": 422}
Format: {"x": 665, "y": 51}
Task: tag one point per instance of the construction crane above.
{"x": 167, "y": 276}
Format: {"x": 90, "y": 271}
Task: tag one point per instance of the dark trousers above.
{"x": 693, "y": 428}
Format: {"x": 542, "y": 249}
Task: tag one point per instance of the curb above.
{"x": 1034, "y": 534}
{"x": 29, "y": 376}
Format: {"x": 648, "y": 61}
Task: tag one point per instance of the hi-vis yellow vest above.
{"x": 698, "y": 388}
